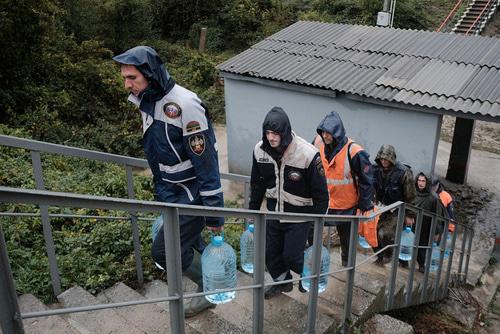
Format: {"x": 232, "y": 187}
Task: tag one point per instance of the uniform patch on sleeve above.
{"x": 366, "y": 169}
{"x": 193, "y": 126}
{"x": 172, "y": 110}
{"x": 197, "y": 144}
{"x": 319, "y": 166}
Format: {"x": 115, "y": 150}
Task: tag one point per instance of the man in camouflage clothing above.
{"x": 393, "y": 181}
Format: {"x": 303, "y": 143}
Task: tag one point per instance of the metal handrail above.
{"x": 478, "y": 17}
{"x": 37, "y": 147}
{"x": 172, "y": 212}
{"x": 452, "y": 12}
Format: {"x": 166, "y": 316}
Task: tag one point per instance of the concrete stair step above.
{"x": 101, "y": 321}
{"x": 54, "y": 324}
{"x": 205, "y": 322}
{"x": 149, "y": 317}
{"x": 282, "y": 314}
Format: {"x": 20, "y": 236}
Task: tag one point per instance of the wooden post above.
{"x": 203, "y": 38}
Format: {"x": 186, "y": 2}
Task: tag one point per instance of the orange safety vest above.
{"x": 368, "y": 228}
{"x": 446, "y": 199}
{"x": 341, "y": 188}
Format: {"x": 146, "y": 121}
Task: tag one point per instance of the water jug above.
{"x": 246, "y": 249}
{"x": 435, "y": 257}
{"x": 155, "y": 228}
{"x": 218, "y": 266}
{"x": 406, "y": 248}
{"x": 363, "y": 243}
{"x": 307, "y": 271}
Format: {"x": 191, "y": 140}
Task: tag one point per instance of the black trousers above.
{"x": 285, "y": 245}
{"x": 190, "y": 233}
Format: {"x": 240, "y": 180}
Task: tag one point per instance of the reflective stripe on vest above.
{"x": 343, "y": 194}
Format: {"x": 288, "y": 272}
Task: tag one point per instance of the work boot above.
{"x": 198, "y": 304}
{"x": 276, "y": 290}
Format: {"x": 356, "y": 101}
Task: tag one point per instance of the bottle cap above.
{"x": 250, "y": 228}
{"x": 408, "y": 229}
{"x": 217, "y": 240}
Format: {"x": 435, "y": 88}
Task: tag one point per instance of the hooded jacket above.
{"x": 394, "y": 184}
{"x": 429, "y": 201}
{"x": 291, "y": 177}
{"x": 359, "y": 164}
{"x": 179, "y": 140}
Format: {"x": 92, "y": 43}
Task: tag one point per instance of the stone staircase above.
{"x": 473, "y": 11}
{"x": 283, "y": 314}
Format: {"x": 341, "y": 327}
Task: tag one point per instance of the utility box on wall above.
{"x": 383, "y": 19}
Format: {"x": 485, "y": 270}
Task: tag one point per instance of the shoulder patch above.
{"x": 193, "y": 126}
{"x": 319, "y": 166}
{"x": 172, "y": 110}
{"x": 197, "y": 144}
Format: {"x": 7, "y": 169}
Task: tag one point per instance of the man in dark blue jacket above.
{"x": 181, "y": 150}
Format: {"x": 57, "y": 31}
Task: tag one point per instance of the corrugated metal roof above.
{"x": 437, "y": 70}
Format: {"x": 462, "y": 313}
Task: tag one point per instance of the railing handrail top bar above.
{"x": 35, "y": 196}
{"x": 41, "y": 146}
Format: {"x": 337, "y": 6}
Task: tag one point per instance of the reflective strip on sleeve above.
{"x": 339, "y": 182}
{"x": 185, "y": 165}
{"x": 211, "y": 192}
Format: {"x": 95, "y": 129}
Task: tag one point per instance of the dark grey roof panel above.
{"x": 444, "y": 71}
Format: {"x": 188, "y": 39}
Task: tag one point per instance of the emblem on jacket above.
{"x": 193, "y": 126}
{"x": 197, "y": 144}
{"x": 319, "y": 166}
{"x": 294, "y": 176}
{"x": 172, "y": 110}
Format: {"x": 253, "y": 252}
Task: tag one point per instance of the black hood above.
{"x": 332, "y": 123}
{"x": 149, "y": 63}
{"x": 277, "y": 121}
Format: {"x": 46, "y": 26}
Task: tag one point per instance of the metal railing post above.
{"x": 258, "y": 274}
{"x": 171, "y": 233}
{"x": 428, "y": 256}
{"x": 467, "y": 257}
{"x": 135, "y": 229}
{"x": 10, "y": 316}
{"x": 47, "y": 228}
{"x": 395, "y": 258}
{"x": 444, "y": 293}
{"x": 416, "y": 243}
{"x": 316, "y": 270}
{"x": 351, "y": 263}
{"x": 442, "y": 247}
{"x": 246, "y": 194}
{"x": 462, "y": 253}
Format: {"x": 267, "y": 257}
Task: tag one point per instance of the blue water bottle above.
{"x": 246, "y": 250}
{"x": 406, "y": 248}
{"x": 363, "y": 243}
{"x": 307, "y": 271}
{"x": 435, "y": 257}
{"x": 218, "y": 266}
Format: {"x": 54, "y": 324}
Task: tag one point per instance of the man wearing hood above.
{"x": 287, "y": 170}
{"x": 429, "y": 201}
{"x": 348, "y": 175}
{"x": 446, "y": 200}
{"x": 393, "y": 182}
{"x": 180, "y": 147}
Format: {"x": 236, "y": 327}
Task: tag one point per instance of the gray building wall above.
{"x": 415, "y": 135}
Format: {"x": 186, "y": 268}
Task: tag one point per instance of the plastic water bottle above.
{"x": 406, "y": 248}
{"x": 218, "y": 265}
{"x": 435, "y": 257}
{"x": 363, "y": 243}
{"x": 155, "y": 228}
{"x": 246, "y": 249}
{"x": 307, "y": 271}
{"x": 447, "y": 248}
